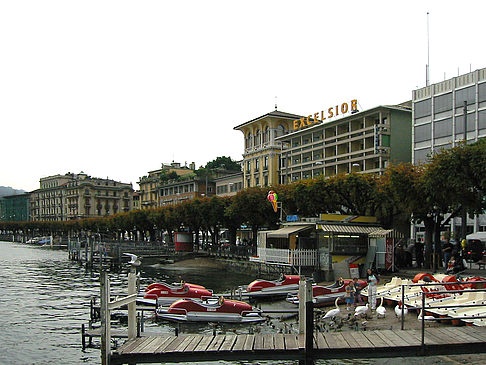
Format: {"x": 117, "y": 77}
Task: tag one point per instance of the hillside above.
{"x": 7, "y": 190}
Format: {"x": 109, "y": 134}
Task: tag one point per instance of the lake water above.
{"x": 44, "y": 300}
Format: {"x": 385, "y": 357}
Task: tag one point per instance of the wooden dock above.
{"x": 336, "y": 345}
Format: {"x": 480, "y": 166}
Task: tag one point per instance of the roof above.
{"x": 285, "y": 232}
{"x": 274, "y": 114}
{"x": 344, "y": 228}
{"x": 381, "y": 232}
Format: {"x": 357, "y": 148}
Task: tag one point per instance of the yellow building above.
{"x": 150, "y": 184}
{"x": 262, "y": 150}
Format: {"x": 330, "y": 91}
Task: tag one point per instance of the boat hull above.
{"x": 212, "y": 317}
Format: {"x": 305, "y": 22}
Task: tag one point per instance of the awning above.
{"x": 381, "y": 232}
{"x": 285, "y": 232}
{"x": 342, "y": 228}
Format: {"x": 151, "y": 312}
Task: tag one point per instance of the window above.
{"x": 280, "y": 130}
{"x": 257, "y": 164}
{"x": 467, "y": 94}
{"x": 385, "y": 140}
{"x": 421, "y": 155}
{"x": 482, "y": 92}
{"x": 265, "y": 166}
{"x": 482, "y": 119}
{"x": 423, "y": 133}
{"x": 266, "y": 135}
{"x": 442, "y": 103}
{"x": 257, "y": 138}
{"x": 459, "y": 123}
{"x": 443, "y": 128}
{"x": 422, "y": 108}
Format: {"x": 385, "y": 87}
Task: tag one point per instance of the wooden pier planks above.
{"x": 263, "y": 346}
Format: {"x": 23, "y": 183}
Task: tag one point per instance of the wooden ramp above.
{"x": 348, "y": 345}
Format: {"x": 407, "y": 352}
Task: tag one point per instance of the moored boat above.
{"x": 210, "y": 310}
{"x": 326, "y": 295}
{"x": 166, "y": 294}
{"x": 281, "y": 287}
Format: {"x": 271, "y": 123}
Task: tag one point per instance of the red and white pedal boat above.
{"x": 325, "y": 295}
{"x": 210, "y": 310}
{"x": 282, "y": 287}
{"x": 166, "y": 294}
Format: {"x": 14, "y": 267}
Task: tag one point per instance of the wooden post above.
{"x": 132, "y": 307}
{"x": 86, "y": 251}
{"x": 306, "y": 319}
{"x": 301, "y": 306}
{"x": 403, "y": 307}
{"x": 91, "y": 253}
{"x": 309, "y": 332}
{"x": 105, "y": 319}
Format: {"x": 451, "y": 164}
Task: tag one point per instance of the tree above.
{"x": 225, "y": 163}
{"x": 254, "y": 209}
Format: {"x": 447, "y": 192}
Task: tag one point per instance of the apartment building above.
{"x": 150, "y": 184}
{"x": 74, "y": 196}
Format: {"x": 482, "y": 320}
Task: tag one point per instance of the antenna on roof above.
{"x": 275, "y": 103}
{"x": 427, "y": 67}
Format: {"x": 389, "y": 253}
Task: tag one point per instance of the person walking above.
{"x": 372, "y": 283}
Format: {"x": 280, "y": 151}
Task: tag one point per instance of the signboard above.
{"x": 347, "y": 218}
{"x": 389, "y": 253}
{"x": 330, "y": 113}
{"x": 292, "y": 218}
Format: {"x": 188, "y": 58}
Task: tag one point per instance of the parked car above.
{"x": 474, "y": 250}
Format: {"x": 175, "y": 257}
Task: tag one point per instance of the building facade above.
{"x": 362, "y": 142}
{"x": 229, "y": 185}
{"x": 262, "y": 150}
{"x": 75, "y": 196}
{"x": 445, "y": 114}
{"x": 184, "y": 188}
{"x": 150, "y": 184}
{"x": 14, "y": 208}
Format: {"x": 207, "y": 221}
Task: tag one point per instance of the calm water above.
{"x": 44, "y": 300}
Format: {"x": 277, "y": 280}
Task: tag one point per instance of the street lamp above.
{"x": 436, "y": 215}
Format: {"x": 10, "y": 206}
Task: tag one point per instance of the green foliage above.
{"x": 225, "y": 163}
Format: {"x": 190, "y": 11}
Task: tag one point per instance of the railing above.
{"x": 298, "y": 257}
{"x": 424, "y": 306}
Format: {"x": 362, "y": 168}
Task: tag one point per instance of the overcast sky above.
{"x": 115, "y": 88}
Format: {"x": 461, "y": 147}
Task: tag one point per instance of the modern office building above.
{"x": 360, "y": 141}
{"x": 74, "y": 196}
{"x": 262, "y": 150}
{"x": 439, "y": 121}
{"x": 150, "y": 184}
{"x": 14, "y": 208}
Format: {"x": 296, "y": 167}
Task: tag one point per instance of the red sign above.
{"x": 389, "y": 248}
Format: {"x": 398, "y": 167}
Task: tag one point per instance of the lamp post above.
{"x": 436, "y": 216}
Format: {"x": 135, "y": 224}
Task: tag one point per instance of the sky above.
{"x": 116, "y": 88}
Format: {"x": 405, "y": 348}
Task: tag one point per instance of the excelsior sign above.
{"x": 332, "y": 112}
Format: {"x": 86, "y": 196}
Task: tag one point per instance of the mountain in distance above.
{"x": 7, "y": 190}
